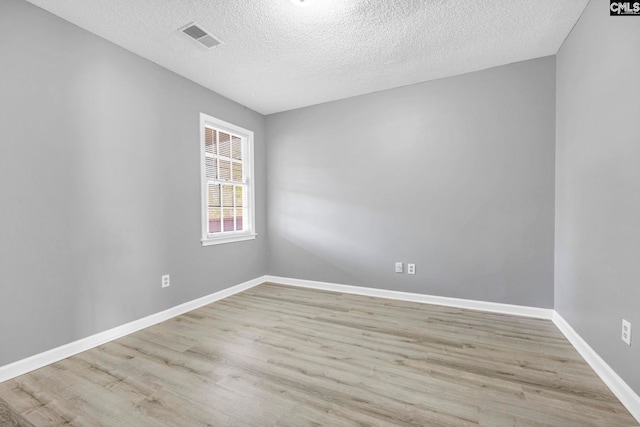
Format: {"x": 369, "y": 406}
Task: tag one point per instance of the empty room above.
{"x": 319, "y": 213}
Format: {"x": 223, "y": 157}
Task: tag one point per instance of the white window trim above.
{"x": 236, "y": 236}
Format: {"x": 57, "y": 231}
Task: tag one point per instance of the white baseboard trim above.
{"x": 37, "y": 361}
{"x": 620, "y": 389}
{"x": 617, "y": 385}
{"x": 492, "y": 307}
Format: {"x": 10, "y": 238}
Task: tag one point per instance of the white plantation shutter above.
{"x": 226, "y": 183}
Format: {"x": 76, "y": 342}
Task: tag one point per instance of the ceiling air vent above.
{"x": 195, "y": 32}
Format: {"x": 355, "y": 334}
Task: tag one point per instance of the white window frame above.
{"x": 249, "y": 233}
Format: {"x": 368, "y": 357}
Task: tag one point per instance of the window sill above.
{"x": 228, "y": 239}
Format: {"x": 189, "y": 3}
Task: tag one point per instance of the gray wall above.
{"x": 597, "y": 275}
{"x": 100, "y": 185}
{"x": 455, "y": 175}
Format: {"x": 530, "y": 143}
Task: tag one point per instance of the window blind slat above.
{"x": 213, "y": 195}
{"x": 210, "y": 140}
{"x": 224, "y": 141}
{"x": 236, "y": 172}
{"x": 236, "y": 148}
{"x": 225, "y": 170}
{"x": 211, "y": 167}
{"x": 227, "y": 195}
{"x": 239, "y": 198}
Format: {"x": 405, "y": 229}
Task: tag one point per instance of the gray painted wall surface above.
{"x": 100, "y": 185}
{"x": 597, "y": 275}
{"x": 455, "y": 175}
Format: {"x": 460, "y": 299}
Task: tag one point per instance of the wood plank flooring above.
{"x": 283, "y": 356}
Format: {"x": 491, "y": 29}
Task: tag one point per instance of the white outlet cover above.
{"x": 626, "y": 332}
{"x": 166, "y": 281}
{"x": 399, "y": 267}
{"x": 411, "y": 268}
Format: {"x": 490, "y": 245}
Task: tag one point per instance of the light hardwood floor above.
{"x": 283, "y": 356}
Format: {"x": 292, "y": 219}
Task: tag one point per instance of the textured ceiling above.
{"x": 278, "y": 56}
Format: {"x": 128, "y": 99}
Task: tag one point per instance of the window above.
{"x": 228, "y": 213}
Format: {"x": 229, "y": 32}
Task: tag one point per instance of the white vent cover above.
{"x": 195, "y": 32}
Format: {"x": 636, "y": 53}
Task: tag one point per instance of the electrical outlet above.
{"x": 411, "y": 269}
{"x": 399, "y": 267}
{"x": 166, "y": 281}
{"x": 626, "y": 332}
